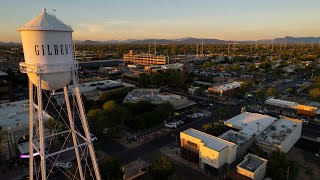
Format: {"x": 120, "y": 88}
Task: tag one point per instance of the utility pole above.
{"x": 149, "y": 48}
{"x": 197, "y": 49}
{"x": 285, "y": 44}
{"x": 155, "y": 47}
{"x": 202, "y": 48}
{"x": 228, "y": 48}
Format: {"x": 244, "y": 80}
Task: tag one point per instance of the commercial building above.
{"x": 155, "y": 97}
{"x": 6, "y": 94}
{"x": 253, "y": 167}
{"x": 242, "y": 141}
{"x": 15, "y": 121}
{"x": 145, "y": 59}
{"x": 167, "y": 67}
{"x": 91, "y": 90}
{"x": 282, "y": 135}
{"x": 224, "y": 91}
{"x": 251, "y": 124}
{"x": 288, "y": 108}
{"x": 213, "y": 154}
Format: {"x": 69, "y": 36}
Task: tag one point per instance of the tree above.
{"x": 279, "y": 166}
{"x": 315, "y": 94}
{"x": 215, "y": 129}
{"x": 291, "y": 90}
{"x": 158, "y": 79}
{"x": 162, "y": 169}
{"x": 245, "y": 86}
{"x": 260, "y": 93}
{"x": 51, "y": 125}
{"x": 2, "y": 138}
{"x": 144, "y": 79}
{"x": 272, "y": 92}
{"x": 110, "y": 168}
{"x": 222, "y": 112}
{"x": 110, "y": 106}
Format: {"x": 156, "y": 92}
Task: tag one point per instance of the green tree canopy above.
{"x": 162, "y": 169}
{"x": 279, "y": 165}
{"x": 272, "y": 92}
{"x": 110, "y": 106}
{"x": 315, "y": 94}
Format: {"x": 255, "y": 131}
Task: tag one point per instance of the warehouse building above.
{"x": 224, "y": 91}
{"x": 251, "y": 124}
{"x": 282, "y": 135}
{"x": 212, "y": 153}
{"x": 288, "y": 108}
{"x": 154, "y": 96}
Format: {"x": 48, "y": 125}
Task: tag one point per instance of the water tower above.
{"x": 49, "y": 64}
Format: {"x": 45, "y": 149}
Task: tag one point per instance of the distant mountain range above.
{"x": 190, "y": 40}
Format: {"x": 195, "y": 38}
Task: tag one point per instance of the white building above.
{"x": 155, "y": 97}
{"x": 242, "y": 141}
{"x": 15, "y": 116}
{"x": 282, "y": 135}
{"x": 252, "y": 124}
{"x": 253, "y": 167}
{"x": 212, "y": 151}
{"x": 92, "y": 90}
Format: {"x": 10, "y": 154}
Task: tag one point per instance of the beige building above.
{"x": 145, "y": 59}
{"x": 282, "y": 135}
{"x": 253, "y": 167}
{"x": 212, "y": 153}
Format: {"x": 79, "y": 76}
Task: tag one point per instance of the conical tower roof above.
{"x": 45, "y": 22}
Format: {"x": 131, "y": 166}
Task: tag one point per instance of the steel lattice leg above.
{"x": 30, "y": 130}
{"x": 83, "y": 119}
{"x": 41, "y": 128}
{"x": 66, "y": 96}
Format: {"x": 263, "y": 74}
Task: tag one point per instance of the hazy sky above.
{"x": 140, "y": 19}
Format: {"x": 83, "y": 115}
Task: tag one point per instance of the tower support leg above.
{"x": 83, "y": 119}
{"x": 31, "y": 118}
{"x": 71, "y": 121}
{"x": 41, "y": 128}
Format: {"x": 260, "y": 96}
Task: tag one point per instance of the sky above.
{"x": 170, "y": 19}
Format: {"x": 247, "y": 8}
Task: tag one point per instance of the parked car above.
{"x": 171, "y": 125}
{"x": 93, "y": 137}
{"x": 305, "y": 122}
{"x": 64, "y": 164}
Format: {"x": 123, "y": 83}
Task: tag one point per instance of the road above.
{"x": 152, "y": 147}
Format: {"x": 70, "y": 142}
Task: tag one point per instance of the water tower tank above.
{"x": 47, "y": 46}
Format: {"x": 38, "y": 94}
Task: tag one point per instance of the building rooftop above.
{"x": 279, "y": 131}
{"x": 252, "y": 163}
{"x": 16, "y": 114}
{"x": 155, "y": 97}
{"x": 95, "y": 86}
{"x": 3, "y": 73}
{"x": 289, "y": 104}
{"x": 235, "y": 137}
{"x": 209, "y": 141}
{"x": 250, "y": 123}
{"x": 227, "y": 86}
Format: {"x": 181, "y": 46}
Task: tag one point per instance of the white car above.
{"x": 171, "y": 125}
{"x": 64, "y": 164}
{"x": 305, "y": 122}
{"x": 93, "y": 137}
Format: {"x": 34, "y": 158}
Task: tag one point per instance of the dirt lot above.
{"x": 308, "y": 164}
